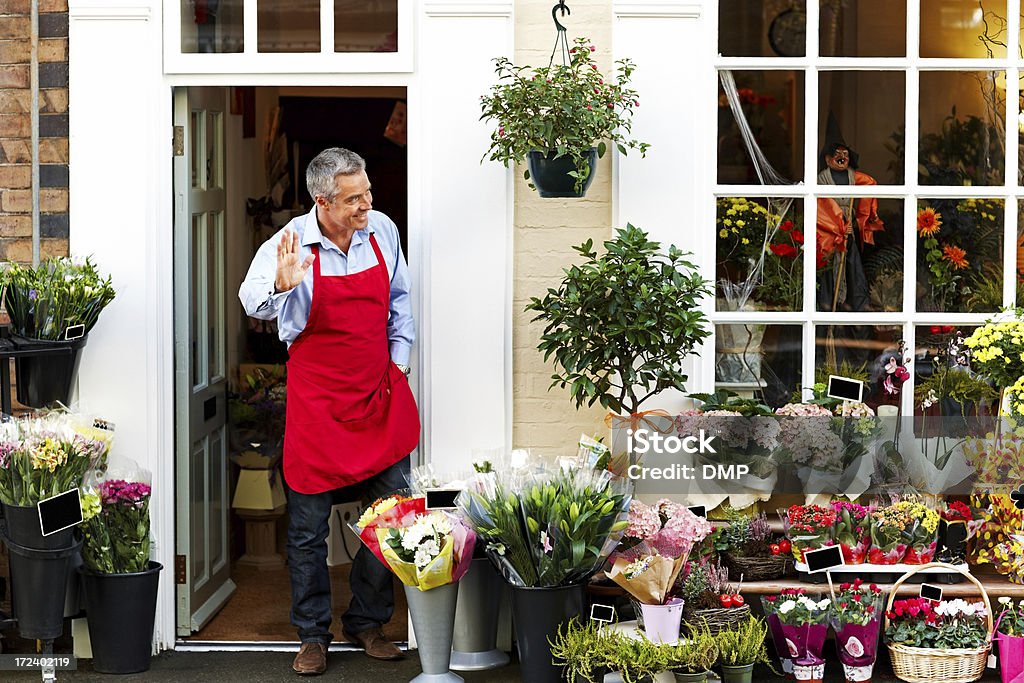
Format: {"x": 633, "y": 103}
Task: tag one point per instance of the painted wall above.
{"x": 545, "y": 232}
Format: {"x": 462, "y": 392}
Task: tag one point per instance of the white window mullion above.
{"x": 1012, "y": 174}
{"x": 811, "y": 98}
{"x": 910, "y": 149}
{"x": 250, "y": 10}
{"x": 327, "y": 26}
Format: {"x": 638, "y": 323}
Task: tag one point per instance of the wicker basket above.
{"x": 756, "y": 568}
{"x": 718, "y": 619}
{"x": 930, "y": 665}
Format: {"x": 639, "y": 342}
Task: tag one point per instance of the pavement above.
{"x": 257, "y": 667}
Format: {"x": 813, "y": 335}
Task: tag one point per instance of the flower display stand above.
{"x": 888, "y": 573}
{"x": 43, "y": 353}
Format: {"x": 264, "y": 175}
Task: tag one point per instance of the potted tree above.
{"x": 620, "y": 324}
{"x": 741, "y": 648}
{"x": 560, "y": 118}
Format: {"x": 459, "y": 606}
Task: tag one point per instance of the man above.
{"x": 337, "y": 282}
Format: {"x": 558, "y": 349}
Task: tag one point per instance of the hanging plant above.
{"x": 561, "y": 112}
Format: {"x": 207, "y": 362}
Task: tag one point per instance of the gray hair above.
{"x": 326, "y": 166}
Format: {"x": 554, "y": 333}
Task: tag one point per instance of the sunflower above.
{"x": 928, "y": 222}
{"x": 955, "y": 255}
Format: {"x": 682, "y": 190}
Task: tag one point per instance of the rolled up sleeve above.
{"x": 257, "y": 290}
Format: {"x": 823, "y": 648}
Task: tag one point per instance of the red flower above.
{"x": 786, "y": 226}
{"x": 935, "y": 329}
{"x": 784, "y": 250}
{"x": 798, "y": 237}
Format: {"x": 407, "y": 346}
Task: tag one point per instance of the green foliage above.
{"x": 620, "y": 325}
{"x": 744, "y": 644}
{"x": 582, "y": 650}
{"x": 961, "y": 153}
{"x": 567, "y": 109}
{"x": 845, "y": 369}
{"x": 59, "y": 293}
{"x": 723, "y": 399}
{"x": 955, "y": 383}
{"x": 696, "y": 654}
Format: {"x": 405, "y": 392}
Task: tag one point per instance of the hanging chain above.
{"x": 560, "y": 38}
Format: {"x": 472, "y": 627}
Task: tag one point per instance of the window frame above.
{"x": 251, "y": 61}
{"x": 910, "y": 192}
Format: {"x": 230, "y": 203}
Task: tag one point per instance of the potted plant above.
{"x": 547, "y": 533}
{"x": 856, "y": 616}
{"x": 637, "y": 660}
{"x": 804, "y": 626}
{"x": 852, "y": 531}
{"x": 1010, "y": 634}
{"x": 691, "y": 659}
{"x": 741, "y": 648}
{"x": 54, "y": 304}
{"x": 891, "y": 528}
{"x": 746, "y": 547}
{"x": 953, "y": 531}
{"x": 582, "y": 651}
{"x": 711, "y": 602}
{"x": 808, "y": 527}
{"x": 559, "y": 117}
{"x": 620, "y": 324}
{"x": 119, "y": 581}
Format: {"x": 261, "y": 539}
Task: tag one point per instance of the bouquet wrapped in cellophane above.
{"x": 423, "y": 548}
{"x": 548, "y": 526}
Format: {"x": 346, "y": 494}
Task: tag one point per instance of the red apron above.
{"x": 350, "y": 412}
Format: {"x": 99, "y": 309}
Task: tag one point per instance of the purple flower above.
{"x": 32, "y": 295}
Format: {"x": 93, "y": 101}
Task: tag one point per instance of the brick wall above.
{"x": 545, "y": 232}
{"x": 16, "y": 151}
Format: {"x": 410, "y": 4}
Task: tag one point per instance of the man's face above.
{"x": 839, "y": 160}
{"x": 349, "y": 210}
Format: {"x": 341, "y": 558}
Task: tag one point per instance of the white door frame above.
{"x": 460, "y": 218}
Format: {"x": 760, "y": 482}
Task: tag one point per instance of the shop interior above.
{"x": 271, "y": 135}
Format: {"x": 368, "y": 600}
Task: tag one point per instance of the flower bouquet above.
{"x": 996, "y": 542}
{"x": 852, "y": 531}
{"x": 804, "y": 626}
{"x": 808, "y": 527}
{"x": 648, "y": 576}
{"x": 549, "y": 528}
{"x": 1010, "y": 635}
{"x": 809, "y": 442}
{"x": 891, "y": 529}
{"x": 923, "y": 537}
{"x": 770, "y": 605}
{"x": 856, "y": 616}
{"x": 115, "y": 516}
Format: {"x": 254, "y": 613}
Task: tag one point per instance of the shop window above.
{"x": 210, "y": 26}
{"x": 764, "y": 28}
{"x": 773, "y": 106}
{"x": 361, "y": 26}
{"x": 859, "y": 352}
{"x": 953, "y": 28}
{"x": 865, "y": 28}
{"x": 758, "y": 359}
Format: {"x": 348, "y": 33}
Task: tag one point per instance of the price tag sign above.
{"x": 823, "y": 559}
{"x": 603, "y": 614}
{"x": 699, "y": 510}
{"x": 74, "y": 332}
{"x": 930, "y": 592}
{"x": 442, "y": 499}
{"x": 60, "y": 512}
{"x": 845, "y": 388}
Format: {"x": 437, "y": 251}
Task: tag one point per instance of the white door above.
{"x": 201, "y": 449}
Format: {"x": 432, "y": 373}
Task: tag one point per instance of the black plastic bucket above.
{"x": 121, "y": 610}
{"x": 22, "y": 523}
{"x": 47, "y": 378}
{"x": 551, "y": 176}
{"x": 538, "y": 613}
{"x": 39, "y": 581}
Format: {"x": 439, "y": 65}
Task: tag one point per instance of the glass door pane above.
{"x": 365, "y": 25}
{"x": 292, "y": 26}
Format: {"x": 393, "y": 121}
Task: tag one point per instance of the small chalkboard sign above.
{"x": 74, "y": 332}
{"x": 699, "y": 510}
{"x": 845, "y": 388}
{"x": 823, "y": 559}
{"x": 604, "y": 614}
{"x": 442, "y": 499}
{"x": 60, "y": 512}
{"x": 930, "y": 592}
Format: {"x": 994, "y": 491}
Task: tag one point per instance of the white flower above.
{"x": 824, "y": 604}
{"x": 787, "y": 607}
{"x": 1004, "y": 600}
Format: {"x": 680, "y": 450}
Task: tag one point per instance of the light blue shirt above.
{"x": 291, "y": 308}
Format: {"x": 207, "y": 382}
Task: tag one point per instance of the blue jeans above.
{"x": 373, "y": 596}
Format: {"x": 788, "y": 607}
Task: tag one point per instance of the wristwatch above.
{"x": 404, "y": 368}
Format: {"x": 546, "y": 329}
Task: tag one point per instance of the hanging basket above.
{"x": 551, "y": 177}
{"x": 929, "y": 665}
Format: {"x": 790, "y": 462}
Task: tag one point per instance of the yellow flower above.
{"x": 746, "y": 241}
{"x": 723, "y": 233}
